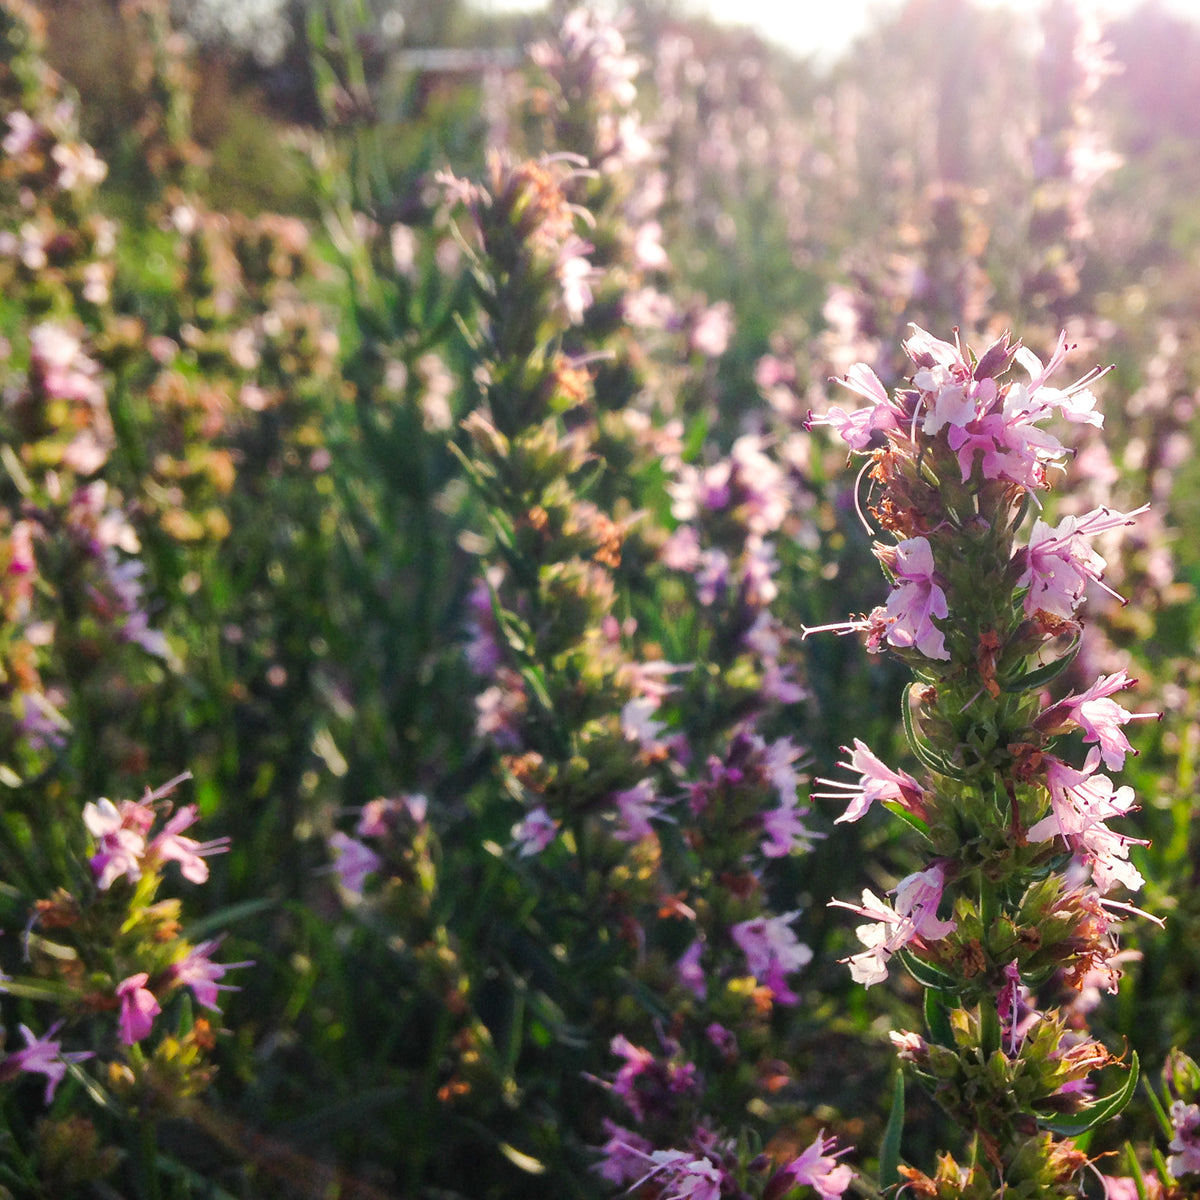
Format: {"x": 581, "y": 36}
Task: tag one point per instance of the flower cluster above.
{"x": 954, "y": 461}
{"x": 113, "y": 947}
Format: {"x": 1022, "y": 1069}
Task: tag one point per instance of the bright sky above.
{"x": 826, "y": 27}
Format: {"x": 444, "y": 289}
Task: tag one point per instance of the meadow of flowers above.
{"x": 647, "y": 649}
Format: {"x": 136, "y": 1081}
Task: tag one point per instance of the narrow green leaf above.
{"x": 898, "y": 810}
{"x": 889, "y": 1150}
{"x": 197, "y": 931}
{"x": 1160, "y": 1112}
{"x": 937, "y": 1018}
{"x": 925, "y": 974}
{"x": 1040, "y": 677}
{"x": 1103, "y": 1110}
{"x": 1135, "y": 1171}
{"x": 920, "y": 747}
{"x": 38, "y": 989}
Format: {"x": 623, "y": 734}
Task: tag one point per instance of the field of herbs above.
{"x": 639, "y": 641}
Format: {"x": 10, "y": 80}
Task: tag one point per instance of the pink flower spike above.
{"x": 138, "y": 1008}
{"x": 876, "y": 782}
{"x": 44, "y": 1056}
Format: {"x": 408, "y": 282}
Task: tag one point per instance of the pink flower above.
{"x": 1080, "y": 802}
{"x": 1116, "y": 1188}
{"x": 1100, "y": 717}
{"x": 138, "y": 1008}
{"x": 625, "y": 1154}
{"x": 772, "y": 952}
{"x": 820, "y": 1170}
{"x": 679, "y": 1176}
{"x": 635, "y": 807}
{"x": 648, "y": 1085}
{"x": 170, "y": 846}
{"x": 857, "y": 428}
{"x": 914, "y": 918}
{"x": 353, "y": 861}
{"x": 44, "y": 1056}
{"x": 1185, "y": 1120}
{"x": 535, "y": 832}
{"x": 689, "y": 971}
{"x": 876, "y": 782}
{"x": 1059, "y": 563}
{"x": 916, "y": 601}
{"x": 119, "y": 848}
{"x": 197, "y": 971}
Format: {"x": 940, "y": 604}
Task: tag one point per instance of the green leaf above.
{"x": 1103, "y": 1110}
{"x": 937, "y": 1018}
{"x": 1040, "y": 677}
{"x": 889, "y": 1150}
{"x": 38, "y": 989}
{"x": 1134, "y": 1169}
{"x": 920, "y": 747}
{"x": 898, "y": 810}
{"x": 197, "y": 931}
{"x": 1160, "y": 1113}
{"x": 925, "y": 974}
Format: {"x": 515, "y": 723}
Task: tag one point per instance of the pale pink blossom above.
{"x": 638, "y": 723}
{"x": 857, "y": 427}
{"x": 916, "y": 601}
{"x": 1185, "y": 1121}
{"x": 1080, "y": 802}
{"x": 689, "y": 971}
{"x": 677, "y": 1175}
{"x": 913, "y": 918}
{"x": 635, "y": 807}
{"x": 1099, "y": 716}
{"x": 171, "y": 846}
{"x": 876, "y": 782}
{"x": 119, "y": 844}
{"x": 817, "y": 1166}
{"x": 535, "y": 832}
{"x": 625, "y": 1154}
{"x": 1059, "y": 563}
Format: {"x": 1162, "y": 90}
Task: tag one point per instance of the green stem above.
{"x": 989, "y": 1018}
{"x": 148, "y": 1155}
